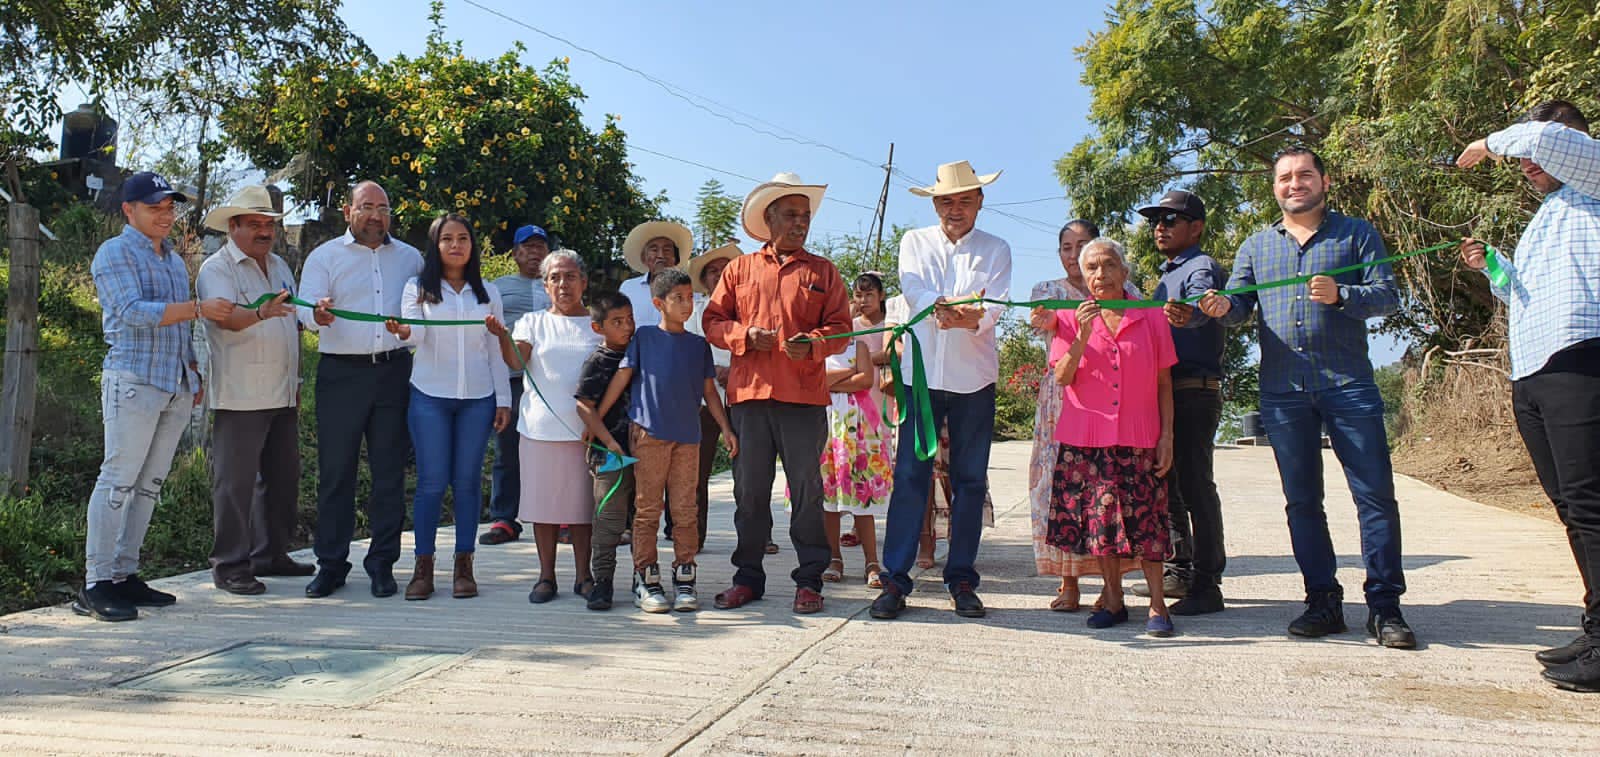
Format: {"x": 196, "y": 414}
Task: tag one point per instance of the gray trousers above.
{"x": 143, "y": 425}
{"x": 769, "y": 431}
{"x": 255, "y": 479}
{"x": 610, "y": 521}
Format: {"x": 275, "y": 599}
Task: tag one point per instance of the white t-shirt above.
{"x": 561, "y": 344}
{"x": 637, "y": 290}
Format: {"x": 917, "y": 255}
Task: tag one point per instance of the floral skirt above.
{"x": 858, "y": 462}
{"x": 1109, "y": 502}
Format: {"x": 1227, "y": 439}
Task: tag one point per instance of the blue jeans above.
{"x": 970, "y": 418}
{"x": 505, "y": 485}
{"x": 1353, "y": 416}
{"x": 450, "y": 437}
{"x": 143, "y": 425}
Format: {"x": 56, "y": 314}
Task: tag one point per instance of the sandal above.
{"x": 834, "y": 575}
{"x": 874, "y": 576}
{"x": 1067, "y": 600}
{"x": 772, "y": 547}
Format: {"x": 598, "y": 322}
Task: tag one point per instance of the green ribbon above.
{"x": 926, "y": 441}
{"x": 613, "y": 461}
{"x": 1498, "y": 274}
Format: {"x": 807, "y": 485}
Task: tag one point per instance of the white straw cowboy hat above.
{"x": 955, "y": 177}
{"x": 698, "y": 263}
{"x": 782, "y": 185}
{"x": 254, "y": 200}
{"x": 633, "y": 246}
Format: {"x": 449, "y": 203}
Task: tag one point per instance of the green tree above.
{"x": 716, "y": 215}
{"x": 854, "y": 255}
{"x": 493, "y": 139}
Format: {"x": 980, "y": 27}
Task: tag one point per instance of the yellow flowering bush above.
{"x": 509, "y": 137}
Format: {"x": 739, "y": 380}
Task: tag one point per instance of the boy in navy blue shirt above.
{"x": 613, "y": 321}
{"x": 667, "y": 373}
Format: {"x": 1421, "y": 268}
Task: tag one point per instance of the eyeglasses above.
{"x": 1168, "y": 219}
{"x": 369, "y": 208}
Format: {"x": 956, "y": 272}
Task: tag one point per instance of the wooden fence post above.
{"x": 22, "y": 343}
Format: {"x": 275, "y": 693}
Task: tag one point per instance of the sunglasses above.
{"x": 1169, "y": 219}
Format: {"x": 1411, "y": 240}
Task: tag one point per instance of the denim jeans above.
{"x": 971, "y": 421}
{"x": 505, "y": 484}
{"x": 1353, "y": 416}
{"x": 142, "y": 427}
{"x": 450, "y": 437}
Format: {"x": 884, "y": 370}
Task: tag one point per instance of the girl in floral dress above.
{"x": 856, "y": 466}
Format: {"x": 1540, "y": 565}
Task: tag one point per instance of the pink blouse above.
{"x": 1112, "y": 401}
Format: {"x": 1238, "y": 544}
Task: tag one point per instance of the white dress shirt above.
{"x": 257, "y": 368}
{"x": 457, "y": 362}
{"x": 931, "y": 266}
{"x": 719, "y": 357}
{"x": 362, "y": 279}
{"x": 637, "y": 290}
{"x": 561, "y": 344}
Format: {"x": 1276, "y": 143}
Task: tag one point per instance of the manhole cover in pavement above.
{"x": 319, "y": 675}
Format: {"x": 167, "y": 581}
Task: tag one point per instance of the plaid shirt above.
{"x": 1308, "y": 346}
{"x": 1554, "y": 294}
{"x": 135, "y": 286}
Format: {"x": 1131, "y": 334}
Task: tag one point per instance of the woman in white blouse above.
{"x": 556, "y": 489}
{"x": 459, "y": 393}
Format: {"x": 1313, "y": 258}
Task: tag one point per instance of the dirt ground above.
{"x": 1490, "y": 466}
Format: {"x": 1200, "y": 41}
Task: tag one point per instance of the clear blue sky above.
{"x": 995, "y": 83}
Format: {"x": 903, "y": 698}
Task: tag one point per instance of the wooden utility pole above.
{"x": 22, "y": 343}
{"x": 883, "y": 210}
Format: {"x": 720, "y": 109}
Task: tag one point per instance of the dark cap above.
{"x": 149, "y": 188}
{"x": 1177, "y": 201}
{"x": 528, "y": 232}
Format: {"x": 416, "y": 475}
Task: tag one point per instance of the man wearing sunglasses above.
{"x": 1178, "y": 222}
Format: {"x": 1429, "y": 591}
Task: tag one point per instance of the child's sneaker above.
{"x": 683, "y": 581}
{"x": 647, "y": 592}
{"x": 600, "y": 596}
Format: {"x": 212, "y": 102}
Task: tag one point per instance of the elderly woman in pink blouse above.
{"x": 1115, "y": 433}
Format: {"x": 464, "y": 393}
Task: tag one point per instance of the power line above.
{"x": 1052, "y": 198}
{"x": 697, "y": 164}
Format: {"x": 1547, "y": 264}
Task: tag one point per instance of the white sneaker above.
{"x": 683, "y": 581}
{"x": 647, "y": 592}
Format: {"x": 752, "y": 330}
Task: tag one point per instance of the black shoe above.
{"x": 888, "y": 606}
{"x": 383, "y": 584}
{"x": 1199, "y": 601}
{"x": 139, "y": 594}
{"x": 543, "y": 591}
{"x": 102, "y": 602}
{"x": 1324, "y": 615}
{"x": 327, "y": 582}
{"x": 1564, "y": 654}
{"x": 245, "y": 584}
{"x": 1581, "y": 675}
{"x": 966, "y": 601}
{"x": 1390, "y": 629}
{"x": 600, "y": 596}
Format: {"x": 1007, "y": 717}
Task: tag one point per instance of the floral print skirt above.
{"x": 1109, "y": 502}
{"x": 858, "y": 461}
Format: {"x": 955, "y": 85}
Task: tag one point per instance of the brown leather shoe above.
{"x": 421, "y": 584}
{"x": 464, "y": 585}
{"x": 241, "y": 584}
{"x": 806, "y": 601}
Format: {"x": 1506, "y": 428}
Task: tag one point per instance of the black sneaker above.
{"x": 1324, "y": 615}
{"x": 139, "y": 594}
{"x": 1390, "y": 629}
{"x": 103, "y": 602}
{"x": 966, "y": 601}
{"x": 1581, "y": 675}
{"x": 1564, "y": 654}
{"x": 888, "y": 606}
{"x": 600, "y": 596}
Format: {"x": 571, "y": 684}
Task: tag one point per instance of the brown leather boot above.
{"x": 421, "y": 584}
{"x": 464, "y": 585}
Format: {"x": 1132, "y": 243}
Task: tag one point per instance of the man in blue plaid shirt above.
{"x": 1553, "y": 291}
{"x": 1314, "y": 374}
{"x": 148, "y": 383}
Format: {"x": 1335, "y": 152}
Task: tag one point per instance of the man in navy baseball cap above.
{"x": 149, "y": 188}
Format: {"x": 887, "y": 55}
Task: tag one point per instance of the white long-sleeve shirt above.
{"x": 931, "y": 266}
{"x": 457, "y": 362}
{"x": 357, "y": 278}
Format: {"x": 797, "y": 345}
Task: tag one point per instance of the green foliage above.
{"x": 854, "y": 255}
{"x": 716, "y": 215}
{"x": 1391, "y": 382}
{"x": 1023, "y": 361}
{"x": 493, "y": 139}
{"x": 39, "y": 551}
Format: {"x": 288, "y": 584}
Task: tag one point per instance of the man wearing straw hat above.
{"x": 938, "y": 264}
{"x": 774, "y": 311}
{"x": 650, "y": 248}
{"x": 254, "y": 385}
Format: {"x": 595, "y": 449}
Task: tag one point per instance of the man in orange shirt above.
{"x": 770, "y": 310}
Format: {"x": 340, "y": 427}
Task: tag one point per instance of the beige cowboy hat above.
{"x": 254, "y": 200}
{"x": 782, "y": 185}
{"x": 698, "y": 263}
{"x": 633, "y": 246}
{"x": 955, "y": 177}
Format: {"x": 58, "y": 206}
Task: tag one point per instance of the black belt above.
{"x": 1197, "y": 382}
{"x": 376, "y": 357}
